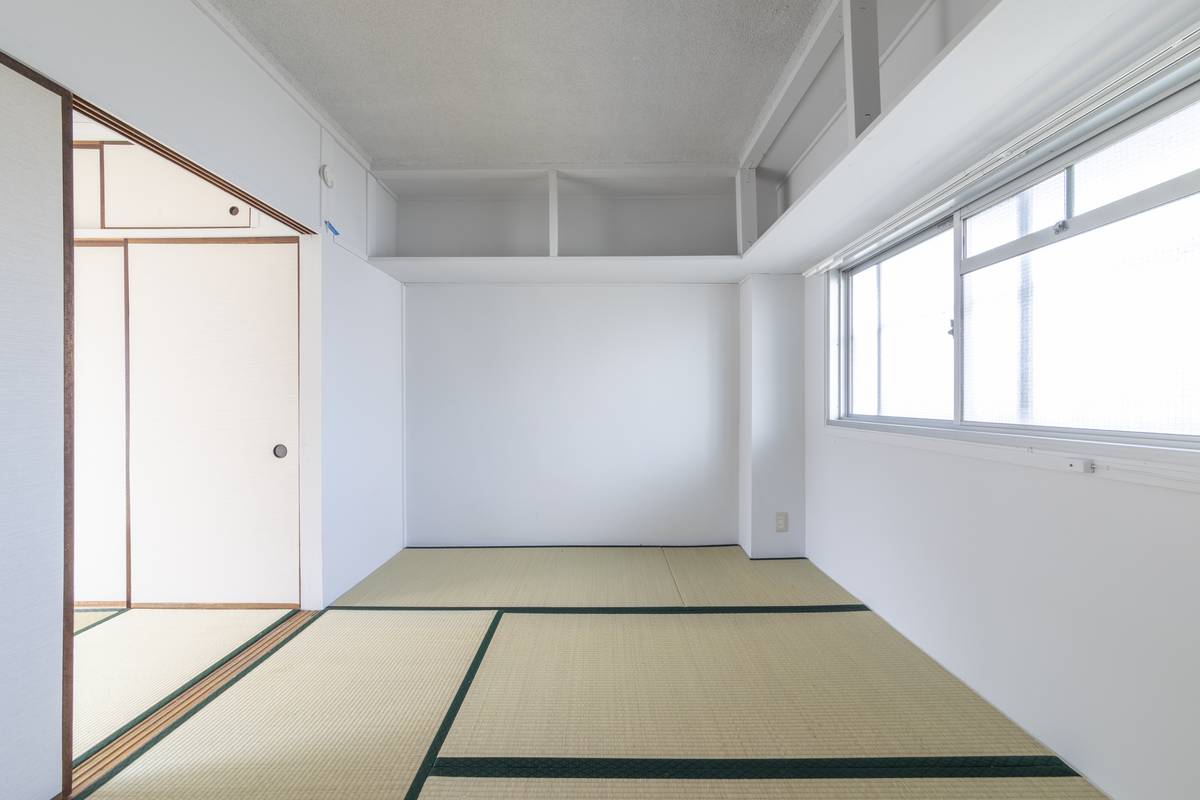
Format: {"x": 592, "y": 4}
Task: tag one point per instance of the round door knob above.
{"x": 280, "y": 451}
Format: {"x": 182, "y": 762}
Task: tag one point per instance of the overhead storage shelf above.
{"x": 526, "y": 213}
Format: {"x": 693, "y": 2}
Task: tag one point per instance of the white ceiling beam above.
{"x": 799, "y": 75}
{"x": 747, "y": 209}
{"x": 860, "y": 21}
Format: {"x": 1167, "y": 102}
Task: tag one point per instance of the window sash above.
{"x": 1173, "y": 189}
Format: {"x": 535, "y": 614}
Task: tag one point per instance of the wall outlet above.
{"x": 781, "y": 522}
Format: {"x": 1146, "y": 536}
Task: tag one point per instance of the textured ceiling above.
{"x": 451, "y": 83}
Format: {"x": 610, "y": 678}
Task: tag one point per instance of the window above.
{"x": 1075, "y": 290}
{"x": 901, "y": 350}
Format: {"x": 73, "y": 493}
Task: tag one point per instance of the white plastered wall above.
{"x": 1063, "y": 598}
{"x": 362, "y": 400}
{"x": 561, "y": 414}
{"x": 771, "y": 411}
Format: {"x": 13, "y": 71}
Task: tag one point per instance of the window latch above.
{"x": 951, "y": 331}
{"x": 1061, "y": 226}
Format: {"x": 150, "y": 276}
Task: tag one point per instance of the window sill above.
{"x": 1166, "y": 467}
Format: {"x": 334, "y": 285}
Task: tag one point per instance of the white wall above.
{"x": 383, "y": 217}
{"x": 473, "y": 226}
{"x": 745, "y": 428}
{"x": 680, "y": 225}
{"x": 363, "y": 400}
{"x": 771, "y": 430}
{"x": 31, "y": 438}
{"x": 166, "y": 68}
{"x": 1065, "y": 599}
{"x": 345, "y": 203}
{"x": 571, "y": 414}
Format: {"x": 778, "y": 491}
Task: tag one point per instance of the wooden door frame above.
{"x": 70, "y": 104}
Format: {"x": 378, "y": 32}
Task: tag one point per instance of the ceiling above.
{"x": 484, "y": 83}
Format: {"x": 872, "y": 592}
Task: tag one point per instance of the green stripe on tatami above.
{"x": 756, "y": 768}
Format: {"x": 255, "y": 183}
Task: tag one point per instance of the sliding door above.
{"x": 213, "y": 360}
{"x": 100, "y": 424}
{"x": 34, "y": 274}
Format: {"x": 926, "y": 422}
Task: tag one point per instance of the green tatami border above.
{"x": 923, "y": 767}
{"x": 435, "y": 746}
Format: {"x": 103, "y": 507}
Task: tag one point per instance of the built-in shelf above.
{"x": 527, "y": 213}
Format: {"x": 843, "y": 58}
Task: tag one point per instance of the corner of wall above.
{"x": 771, "y": 415}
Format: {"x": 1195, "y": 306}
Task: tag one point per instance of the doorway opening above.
{"x": 185, "y": 553}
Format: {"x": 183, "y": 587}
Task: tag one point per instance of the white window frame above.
{"x": 1086, "y": 440}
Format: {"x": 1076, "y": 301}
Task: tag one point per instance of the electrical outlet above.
{"x": 781, "y": 522}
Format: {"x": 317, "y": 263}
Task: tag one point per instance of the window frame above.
{"x": 838, "y": 353}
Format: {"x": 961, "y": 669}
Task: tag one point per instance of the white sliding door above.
{"x": 32, "y": 441}
{"x": 100, "y": 423}
{"x": 144, "y": 190}
{"x": 213, "y": 390}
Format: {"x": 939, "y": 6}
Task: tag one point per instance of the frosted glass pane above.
{"x": 916, "y": 307}
{"x": 864, "y": 341}
{"x": 1164, "y": 150}
{"x": 902, "y": 353}
{"x": 1097, "y": 331}
{"x": 835, "y": 356}
{"x": 1038, "y": 207}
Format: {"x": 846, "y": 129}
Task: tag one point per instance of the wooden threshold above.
{"x": 129, "y": 745}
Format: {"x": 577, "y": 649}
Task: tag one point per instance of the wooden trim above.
{"x": 99, "y": 242}
{"x": 86, "y": 145}
{"x": 129, "y": 745}
{"x": 136, "y": 136}
{"x": 100, "y": 604}
{"x": 216, "y": 240}
{"x": 285, "y": 606}
{"x": 26, "y": 72}
{"x": 68, "y": 676}
{"x": 128, "y": 471}
{"x": 101, "y": 150}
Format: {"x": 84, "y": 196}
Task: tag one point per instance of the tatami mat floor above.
{"x": 591, "y": 576}
{"x": 719, "y": 686}
{"x": 86, "y": 618}
{"x": 135, "y": 659}
{"x": 602, "y": 674}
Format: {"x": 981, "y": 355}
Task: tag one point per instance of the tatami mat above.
{"x": 720, "y": 686}
{"x": 935, "y": 789}
{"x": 134, "y": 661}
{"x": 347, "y": 709}
{"x": 724, "y": 576}
{"x": 86, "y": 617}
{"x": 519, "y": 576}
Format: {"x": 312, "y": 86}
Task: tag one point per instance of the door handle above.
{"x": 279, "y": 450}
